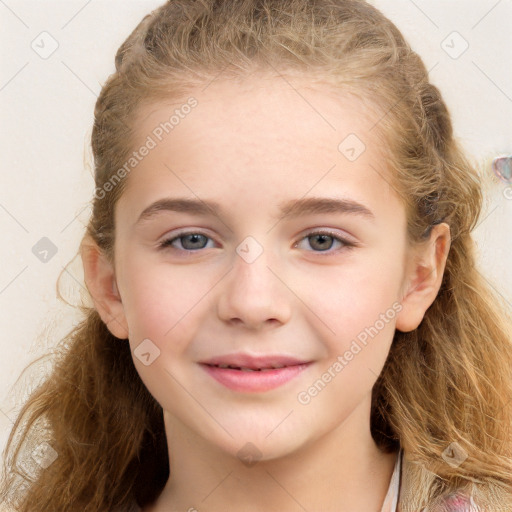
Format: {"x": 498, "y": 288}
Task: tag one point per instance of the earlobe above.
{"x": 424, "y": 277}
{"x": 101, "y": 282}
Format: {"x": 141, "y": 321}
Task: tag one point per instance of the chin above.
{"x": 260, "y": 447}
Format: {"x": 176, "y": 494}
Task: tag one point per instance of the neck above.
{"x": 331, "y": 473}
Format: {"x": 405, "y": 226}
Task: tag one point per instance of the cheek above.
{"x": 160, "y": 302}
{"x": 351, "y": 298}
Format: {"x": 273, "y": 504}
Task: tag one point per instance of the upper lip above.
{"x": 254, "y": 362}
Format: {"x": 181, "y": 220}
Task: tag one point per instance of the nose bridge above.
{"x": 253, "y": 294}
{"x": 251, "y": 268}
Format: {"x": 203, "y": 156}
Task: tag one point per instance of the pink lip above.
{"x": 257, "y": 374}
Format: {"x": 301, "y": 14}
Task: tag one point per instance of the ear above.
{"x": 423, "y": 278}
{"x": 101, "y": 282}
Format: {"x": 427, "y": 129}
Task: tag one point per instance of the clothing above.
{"x": 455, "y": 503}
{"x": 391, "y": 500}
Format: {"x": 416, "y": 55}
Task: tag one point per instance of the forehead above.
{"x": 262, "y": 106}
{"x": 269, "y": 134}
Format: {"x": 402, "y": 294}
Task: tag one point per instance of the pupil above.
{"x": 323, "y": 239}
{"x": 194, "y": 239}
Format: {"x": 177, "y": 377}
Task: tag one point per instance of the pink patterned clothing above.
{"x": 461, "y": 504}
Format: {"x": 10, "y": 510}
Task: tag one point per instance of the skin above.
{"x": 249, "y": 146}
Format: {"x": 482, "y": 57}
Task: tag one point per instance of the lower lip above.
{"x": 254, "y": 381}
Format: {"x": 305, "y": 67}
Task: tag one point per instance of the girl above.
{"x": 287, "y": 313}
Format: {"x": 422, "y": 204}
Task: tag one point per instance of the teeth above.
{"x": 223, "y": 366}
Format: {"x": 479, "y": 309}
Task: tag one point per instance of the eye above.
{"x": 322, "y": 241}
{"x": 191, "y": 241}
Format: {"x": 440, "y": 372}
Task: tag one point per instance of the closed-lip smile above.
{"x": 248, "y": 373}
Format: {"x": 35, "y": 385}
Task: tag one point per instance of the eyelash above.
{"x": 347, "y": 245}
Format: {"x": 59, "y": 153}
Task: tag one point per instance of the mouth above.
{"x": 247, "y": 369}
{"x": 244, "y": 373}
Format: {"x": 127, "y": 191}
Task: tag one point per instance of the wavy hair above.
{"x": 447, "y": 384}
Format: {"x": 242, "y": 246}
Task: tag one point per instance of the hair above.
{"x": 448, "y": 381}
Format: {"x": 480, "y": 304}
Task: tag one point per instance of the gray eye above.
{"x": 193, "y": 241}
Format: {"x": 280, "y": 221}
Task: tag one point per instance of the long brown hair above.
{"x": 446, "y": 384}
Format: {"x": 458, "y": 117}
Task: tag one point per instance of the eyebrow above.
{"x": 294, "y": 207}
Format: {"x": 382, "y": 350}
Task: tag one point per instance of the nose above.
{"x": 254, "y": 294}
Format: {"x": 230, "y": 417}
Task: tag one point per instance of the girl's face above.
{"x": 215, "y": 272}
